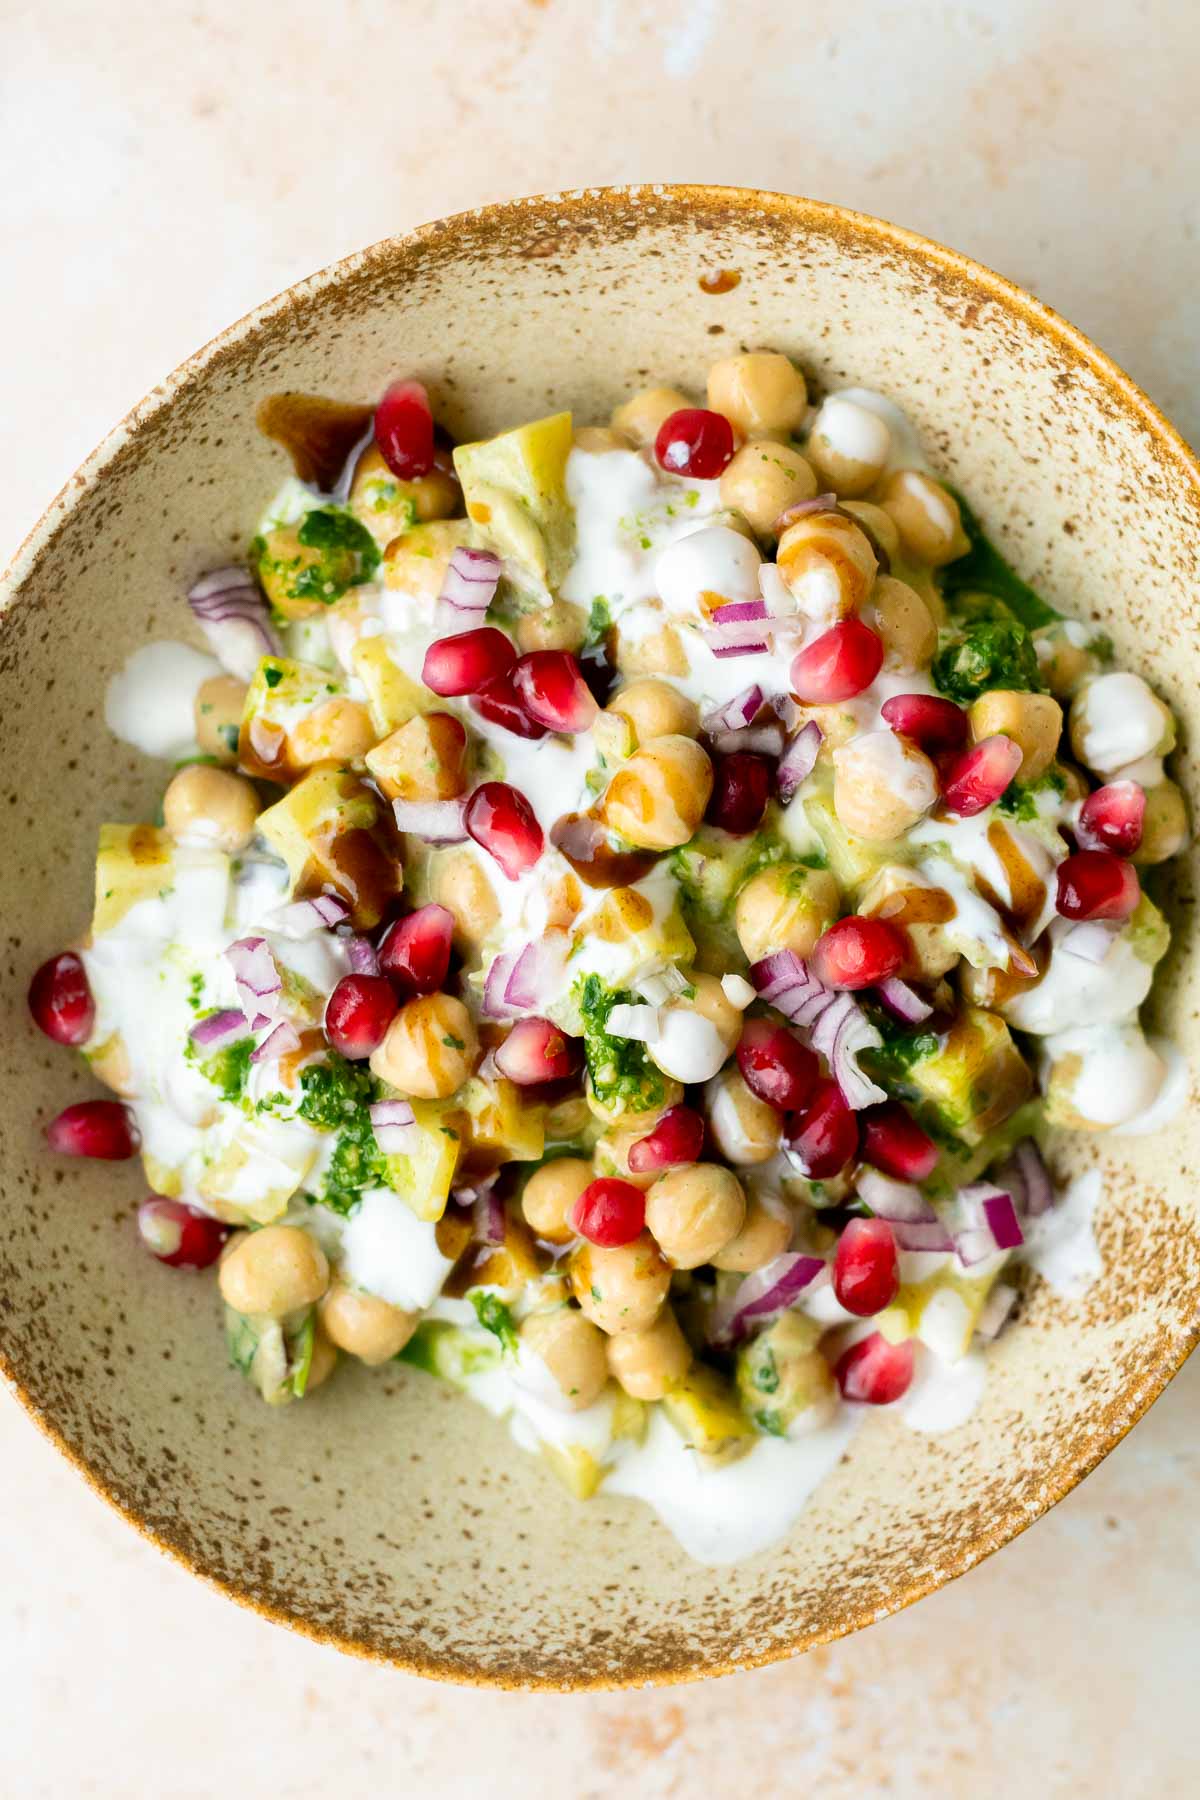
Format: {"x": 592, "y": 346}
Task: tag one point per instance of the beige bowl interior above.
{"x": 386, "y": 1513}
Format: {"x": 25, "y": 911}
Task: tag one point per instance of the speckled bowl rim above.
{"x": 945, "y": 267}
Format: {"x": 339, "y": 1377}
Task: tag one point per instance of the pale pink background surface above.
{"x": 167, "y": 166}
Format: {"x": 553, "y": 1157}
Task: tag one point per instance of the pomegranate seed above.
{"x": 978, "y": 777}
{"x": 61, "y": 1000}
{"x": 499, "y": 701}
{"x": 179, "y": 1235}
{"x": 866, "y": 1271}
{"x": 824, "y": 1136}
{"x": 503, "y": 823}
{"x": 677, "y": 1138}
{"x": 775, "y": 1065}
{"x": 461, "y": 664}
{"x": 358, "y": 1013}
{"x": 535, "y": 1051}
{"x": 404, "y": 430}
{"x": 875, "y": 1372}
{"x": 741, "y": 789}
{"x": 696, "y": 442}
{"x": 839, "y": 664}
{"x": 1111, "y": 819}
{"x": 858, "y": 953}
{"x": 98, "y": 1128}
{"x": 415, "y": 952}
{"x": 1095, "y": 884}
{"x": 895, "y": 1143}
{"x": 932, "y": 724}
{"x": 552, "y": 690}
{"x": 609, "y": 1212}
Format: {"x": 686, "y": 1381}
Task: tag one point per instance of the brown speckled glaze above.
{"x": 385, "y": 1514}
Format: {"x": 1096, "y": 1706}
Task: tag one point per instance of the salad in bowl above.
{"x": 630, "y": 904}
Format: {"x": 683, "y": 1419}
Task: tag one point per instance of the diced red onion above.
{"x": 739, "y": 628}
{"x": 800, "y": 509}
{"x": 281, "y": 1040}
{"x": 488, "y": 1217}
{"x": 973, "y": 1246}
{"x": 840, "y": 1034}
{"x": 903, "y": 1002}
{"x": 257, "y": 979}
{"x": 765, "y": 740}
{"x": 394, "y": 1124}
{"x": 537, "y": 974}
{"x": 781, "y": 602}
{"x": 799, "y": 759}
{"x": 740, "y": 711}
{"x": 768, "y": 1290}
{"x": 739, "y": 612}
{"x": 784, "y": 982}
{"x": 998, "y": 1227}
{"x": 232, "y": 614}
{"x": 996, "y": 1309}
{"x": 1027, "y": 1178}
{"x": 219, "y": 1029}
{"x": 899, "y": 1202}
{"x": 470, "y": 583}
{"x": 661, "y": 985}
{"x": 786, "y": 710}
{"x": 1005, "y": 1227}
{"x": 303, "y": 917}
{"x": 723, "y": 651}
{"x": 495, "y": 1006}
{"x": 437, "y": 821}
{"x": 640, "y": 1023}
{"x": 928, "y": 1238}
{"x": 1090, "y": 941}
{"x": 361, "y": 955}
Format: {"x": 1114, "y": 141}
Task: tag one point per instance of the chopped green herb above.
{"x": 271, "y": 675}
{"x": 990, "y": 653}
{"x": 336, "y": 1097}
{"x": 497, "y": 1318}
{"x": 599, "y": 619}
{"x": 621, "y": 1072}
{"x": 983, "y": 570}
{"x": 196, "y": 991}
{"x": 1019, "y": 799}
{"x": 227, "y": 1069}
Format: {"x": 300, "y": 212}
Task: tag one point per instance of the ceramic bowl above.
{"x": 386, "y": 1515}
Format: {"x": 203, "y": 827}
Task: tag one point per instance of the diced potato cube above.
{"x": 321, "y": 828}
{"x": 704, "y": 1410}
{"x": 422, "y": 760}
{"x": 392, "y": 698}
{"x": 976, "y": 1079}
{"x": 133, "y": 863}
{"x": 515, "y": 490}
{"x": 255, "y": 1176}
{"x": 422, "y": 1176}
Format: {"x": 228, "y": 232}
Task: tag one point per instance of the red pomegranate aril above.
{"x": 775, "y": 1065}
{"x": 1095, "y": 884}
{"x": 695, "y": 442}
{"x": 1112, "y": 819}
{"x": 499, "y": 701}
{"x": 978, "y": 777}
{"x": 677, "y": 1138}
{"x": 358, "y": 1013}
{"x": 741, "y": 789}
{"x": 503, "y": 823}
{"x": 866, "y": 1270}
{"x": 60, "y": 1000}
{"x": 415, "y": 952}
{"x": 609, "y": 1212}
{"x": 839, "y": 664}
{"x": 551, "y": 688}
{"x": 894, "y": 1143}
{"x": 824, "y": 1137}
{"x": 463, "y": 663}
{"x": 404, "y": 430}
{"x": 875, "y": 1372}
{"x": 103, "y": 1129}
{"x": 178, "y": 1235}
{"x": 858, "y": 953}
{"x": 536, "y": 1051}
{"x": 933, "y": 724}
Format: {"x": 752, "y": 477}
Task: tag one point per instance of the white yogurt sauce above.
{"x": 943, "y": 1395}
{"x": 1171, "y": 1098}
{"x": 1075, "y": 992}
{"x": 1120, "y": 1076}
{"x": 149, "y": 701}
{"x": 1061, "y": 1244}
{"x": 388, "y": 1251}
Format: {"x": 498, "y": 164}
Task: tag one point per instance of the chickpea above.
{"x": 564, "y": 900}
{"x": 696, "y": 1034}
{"x": 110, "y": 1064}
{"x": 618, "y": 1110}
{"x": 387, "y": 505}
{"x": 655, "y": 709}
{"x": 285, "y": 559}
{"x": 879, "y": 526}
{"x": 642, "y": 417}
{"x": 652, "y": 652}
{"x": 760, "y": 391}
{"x": 882, "y": 785}
{"x": 323, "y": 1361}
{"x": 598, "y": 440}
{"x": 364, "y": 1325}
{"x": 572, "y": 1349}
{"x": 827, "y": 564}
{"x": 210, "y": 807}
{"x": 849, "y": 445}
{"x": 1164, "y": 827}
{"x": 658, "y": 798}
{"x": 926, "y": 516}
{"x": 273, "y": 1271}
{"x": 785, "y": 907}
{"x": 459, "y": 883}
{"x": 622, "y": 1289}
{"x": 424, "y": 759}
{"x": 611, "y": 1154}
{"x": 339, "y": 731}
{"x": 647, "y": 1363}
{"x": 922, "y": 911}
{"x": 763, "y": 480}
{"x": 1033, "y": 722}
{"x": 430, "y": 1048}
{"x": 1116, "y": 720}
{"x": 560, "y": 626}
{"x": 218, "y": 711}
{"x": 694, "y": 1211}
{"x": 1064, "y": 657}
{"x": 743, "y": 1128}
{"x": 549, "y": 1195}
{"x": 766, "y": 1234}
{"x": 905, "y": 623}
